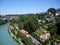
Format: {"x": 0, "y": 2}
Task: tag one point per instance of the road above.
{"x": 35, "y": 40}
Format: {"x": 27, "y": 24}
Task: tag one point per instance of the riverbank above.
{"x": 5, "y": 38}
{"x": 14, "y": 37}
{"x": 3, "y": 22}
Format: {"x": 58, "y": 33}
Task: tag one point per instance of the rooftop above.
{"x": 23, "y": 32}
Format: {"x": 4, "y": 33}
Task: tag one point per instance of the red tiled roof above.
{"x": 23, "y": 32}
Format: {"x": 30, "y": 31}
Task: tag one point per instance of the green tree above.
{"x": 41, "y": 15}
{"x": 0, "y": 16}
{"x": 3, "y": 21}
{"x": 25, "y": 40}
{"x": 52, "y": 11}
{"x": 53, "y": 29}
{"x": 32, "y": 25}
{"x": 28, "y": 22}
{"x": 21, "y": 25}
{"x": 58, "y": 24}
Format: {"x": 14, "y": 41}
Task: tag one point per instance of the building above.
{"x": 43, "y": 34}
{"x": 57, "y": 12}
{"x": 41, "y": 21}
{"x": 16, "y": 26}
{"x": 3, "y": 19}
{"x": 23, "y": 32}
{"x": 11, "y": 27}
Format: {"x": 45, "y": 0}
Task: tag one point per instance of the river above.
{"x": 5, "y": 38}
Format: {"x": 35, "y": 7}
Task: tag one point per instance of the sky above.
{"x": 27, "y": 6}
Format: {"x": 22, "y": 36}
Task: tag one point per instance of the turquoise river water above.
{"x": 5, "y": 38}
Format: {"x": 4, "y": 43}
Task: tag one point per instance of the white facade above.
{"x": 57, "y": 14}
{"x": 45, "y": 36}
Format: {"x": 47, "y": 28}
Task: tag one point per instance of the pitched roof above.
{"x": 23, "y": 32}
{"x": 11, "y": 27}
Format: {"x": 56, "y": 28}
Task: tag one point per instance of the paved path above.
{"x": 35, "y": 40}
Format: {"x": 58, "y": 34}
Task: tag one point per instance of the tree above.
{"x": 0, "y": 16}
{"x": 13, "y": 20}
{"x": 41, "y": 15}
{"x": 25, "y": 40}
{"x": 53, "y": 29}
{"x": 52, "y": 11}
{"x": 28, "y": 22}
{"x": 3, "y": 21}
{"x": 58, "y": 24}
{"x": 21, "y": 25}
{"x": 32, "y": 25}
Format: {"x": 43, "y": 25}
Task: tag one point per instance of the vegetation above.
{"x": 41, "y": 15}
{"x": 0, "y": 16}
{"x": 25, "y": 40}
{"x": 52, "y": 11}
{"x": 2, "y": 21}
{"x": 58, "y": 27}
{"x": 52, "y": 28}
{"x": 30, "y": 23}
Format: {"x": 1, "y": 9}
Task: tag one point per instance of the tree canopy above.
{"x": 28, "y": 22}
{"x": 52, "y": 11}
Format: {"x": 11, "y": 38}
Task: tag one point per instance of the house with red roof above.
{"x": 24, "y": 32}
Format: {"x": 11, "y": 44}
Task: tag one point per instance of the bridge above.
{"x": 9, "y": 17}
